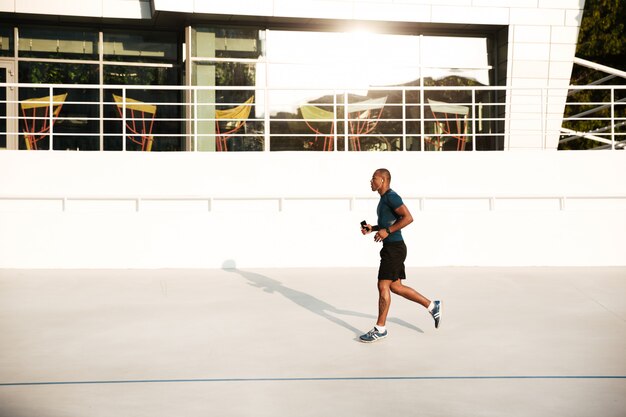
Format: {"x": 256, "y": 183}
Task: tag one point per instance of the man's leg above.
{"x": 384, "y": 300}
{"x": 434, "y": 308}
{"x": 409, "y": 293}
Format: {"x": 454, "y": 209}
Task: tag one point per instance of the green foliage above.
{"x": 601, "y": 40}
{"x": 601, "y": 37}
{"x": 58, "y": 73}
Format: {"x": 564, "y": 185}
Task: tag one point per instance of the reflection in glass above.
{"x": 6, "y": 41}
{"x": 457, "y": 57}
{"x": 235, "y": 125}
{"x": 228, "y": 118}
{"x": 161, "y": 123}
{"x": 55, "y": 42}
{"x": 211, "y": 42}
{"x": 369, "y": 84}
{"x": 351, "y": 91}
{"x": 77, "y": 125}
{"x": 140, "y": 46}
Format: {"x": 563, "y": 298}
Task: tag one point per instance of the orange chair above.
{"x": 365, "y": 120}
{"x": 313, "y": 114}
{"x": 443, "y": 129}
{"x": 33, "y": 131}
{"x": 232, "y": 120}
{"x": 141, "y": 132}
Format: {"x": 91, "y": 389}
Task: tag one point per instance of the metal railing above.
{"x": 182, "y": 118}
{"x": 595, "y": 114}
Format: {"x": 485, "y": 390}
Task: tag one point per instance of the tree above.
{"x": 602, "y": 40}
{"x": 602, "y": 37}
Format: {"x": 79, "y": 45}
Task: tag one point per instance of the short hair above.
{"x": 384, "y": 173}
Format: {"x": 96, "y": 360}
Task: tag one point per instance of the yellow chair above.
{"x": 313, "y": 114}
{"x": 141, "y": 130}
{"x": 232, "y": 120}
{"x": 33, "y": 131}
{"x": 366, "y": 116}
{"x": 443, "y": 130}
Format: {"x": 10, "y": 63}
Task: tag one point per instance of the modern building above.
{"x": 246, "y": 131}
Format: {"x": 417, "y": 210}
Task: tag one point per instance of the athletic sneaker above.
{"x": 436, "y": 313}
{"x": 373, "y": 335}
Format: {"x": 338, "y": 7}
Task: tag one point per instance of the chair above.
{"x": 442, "y": 126}
{"x": 232, "y": 120}
{"x": 366, "y": 119}
{"x": 32, "y": 132}
{"x": 314, "y": 114}
{"x": 141, "y": 130}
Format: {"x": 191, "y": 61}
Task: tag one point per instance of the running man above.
{"x": 393, "y": 216}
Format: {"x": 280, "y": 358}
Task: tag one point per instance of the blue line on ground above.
{"x": 314, "y": 379}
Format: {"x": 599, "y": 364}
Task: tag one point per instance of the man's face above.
{"x": 376, "y": 182}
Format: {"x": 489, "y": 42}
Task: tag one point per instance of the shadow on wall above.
{"x": 307, "y": 301}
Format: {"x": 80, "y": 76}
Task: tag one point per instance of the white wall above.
{"x": 120, "y": 9}
{"x": 100, "y": 224}
{"x": 542, "y": 45}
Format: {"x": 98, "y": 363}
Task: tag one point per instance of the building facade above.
{"x": 298, "y": 74}
{"x": 296, "y": 92}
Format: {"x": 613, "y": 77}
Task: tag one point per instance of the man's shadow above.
{"x": 307, "y": 301}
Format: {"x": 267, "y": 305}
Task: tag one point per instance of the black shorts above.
{"x": 392, "y": 257}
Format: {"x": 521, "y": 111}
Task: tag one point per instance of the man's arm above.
{"x": 404, "y": 220}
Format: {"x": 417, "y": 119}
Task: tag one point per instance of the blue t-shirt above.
{"x": 387, "y": 216}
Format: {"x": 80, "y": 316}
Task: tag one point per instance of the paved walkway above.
{"x": 283, "y": 342}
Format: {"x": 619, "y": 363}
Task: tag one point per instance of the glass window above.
{"x": 226, "y": 43}
{"x": 453, "y": 118}
{"x": 351, "y": 91}
{"x": 152, "y": 116}
{"x": 141, "y": 46}
{"x": 461, "y": 57}
{"x": 325, "y": 91}
{"x": 368, "y": 85}
{"x": 76, "y": 125}
{"x": 338, "y": 90}
{"x": 228, "y": 117}
{"x": 343, "y": 90}
{"x": 79, "y": 119}
{"x": 6, "y": 41}
{"x": 44, "y": 42}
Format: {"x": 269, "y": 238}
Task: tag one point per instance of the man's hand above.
{"x": 381, "y": 235}
{"x": 366, "y": 229}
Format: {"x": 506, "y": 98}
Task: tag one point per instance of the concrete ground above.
{"x": 283, "y": 342}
